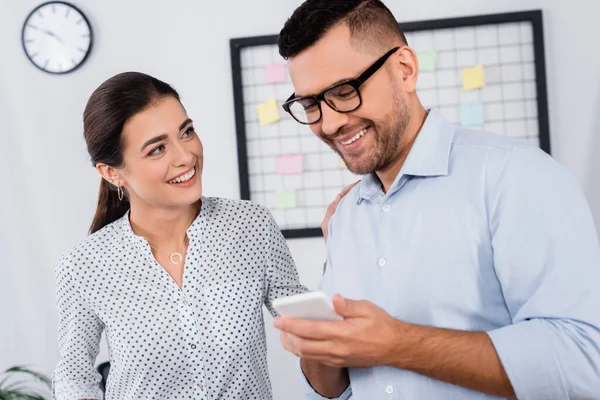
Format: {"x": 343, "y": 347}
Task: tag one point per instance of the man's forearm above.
{"x": 327, "y": 381}
{"x": 466, "y": 359}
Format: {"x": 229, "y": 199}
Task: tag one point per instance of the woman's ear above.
{"x": 110, "y": 174}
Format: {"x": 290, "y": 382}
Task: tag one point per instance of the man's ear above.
{"x": 408, "y": 63}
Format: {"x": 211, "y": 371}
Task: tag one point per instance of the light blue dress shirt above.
{"x": 478, "y": 232}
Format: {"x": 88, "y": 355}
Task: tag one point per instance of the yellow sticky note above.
{"x": 427, "y": 61}
{"x": 473, "y": 78}
{"x": 343, "y": 164}
{"x": 267, "y": 112}
{"x": 286, "y": 199}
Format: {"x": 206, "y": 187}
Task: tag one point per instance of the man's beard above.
{"x": 387, "y": 135}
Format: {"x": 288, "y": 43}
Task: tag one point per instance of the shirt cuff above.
{"x": 310, "y": 393}
{"x": 526, "y": 352}
{"x": 61, "y": 391}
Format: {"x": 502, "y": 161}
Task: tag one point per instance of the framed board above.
{"x": 483, "y": 72}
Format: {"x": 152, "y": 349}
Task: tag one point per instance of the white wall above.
{"x": 49, "y": 187}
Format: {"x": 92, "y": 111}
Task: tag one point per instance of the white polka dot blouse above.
{"x": 205, "y": 340}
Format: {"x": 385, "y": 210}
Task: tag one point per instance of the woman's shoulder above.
{"x": 242, "y": 213}
{"x": 235, "y": 208}
{"x": 92, "y": 247}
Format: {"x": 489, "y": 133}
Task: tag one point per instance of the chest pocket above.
{"x": 235, "y": 312}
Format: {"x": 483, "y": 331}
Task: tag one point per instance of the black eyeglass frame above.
{"x": 355, "y": 83}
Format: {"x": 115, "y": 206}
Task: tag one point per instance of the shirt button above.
{"x": 386, "y": 207}
{"x": 193, "y": 346}
{"x": 382, "y": 262}
{"x": 389, "y": 389}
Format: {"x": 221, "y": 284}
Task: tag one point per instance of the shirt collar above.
{"x": 127, "y": 230}
{"x": 205, "y": 209}
{"x": 428, "y": 156}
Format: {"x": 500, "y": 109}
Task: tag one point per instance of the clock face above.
{"x": 57, "y": 37}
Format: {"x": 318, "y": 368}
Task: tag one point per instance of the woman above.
{"x": 176, "y": 280}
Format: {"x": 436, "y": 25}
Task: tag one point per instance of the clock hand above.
{"x": 47, "y": 32}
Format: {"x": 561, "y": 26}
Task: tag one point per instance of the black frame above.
{"x": 533, "y": 16}
{"x": 86, "y": 20}
{"x": 356, "y": 83}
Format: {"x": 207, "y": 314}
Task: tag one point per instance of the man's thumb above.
{"x": 346, "y": 307}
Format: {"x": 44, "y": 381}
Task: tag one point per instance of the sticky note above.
{"x": 286, "y": 199}
{"x": 427, "y": 61}
{"x": 275, "y": 73}
{"x": 289, "y": 164}
{"x": 472, "y": 114}
{"x": 343, "y": 164}
{"x": 267, "y": 112}
{"x": 473, "y": 78}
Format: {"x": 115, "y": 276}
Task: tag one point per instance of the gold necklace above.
{"x": 178, "y": 257}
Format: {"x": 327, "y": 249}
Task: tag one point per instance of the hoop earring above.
{"x": 120, "y": 193}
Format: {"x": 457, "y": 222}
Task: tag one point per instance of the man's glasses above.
{"x": 343, "y": 97}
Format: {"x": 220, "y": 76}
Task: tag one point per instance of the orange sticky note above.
{"x": 473, "y": 78}
{"x": 289, "y": 164}
{"x": 267, "y": 112}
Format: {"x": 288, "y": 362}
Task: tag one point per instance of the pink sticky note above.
{"x": 275, "y": 73}
{"x": 289, "y": 164}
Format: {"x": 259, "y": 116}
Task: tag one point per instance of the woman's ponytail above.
{"x": 110, "y": 208}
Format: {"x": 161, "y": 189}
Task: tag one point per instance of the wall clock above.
{"x": 57, "y": 37}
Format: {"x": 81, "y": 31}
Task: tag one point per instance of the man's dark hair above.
{"x": 370, "y": 22}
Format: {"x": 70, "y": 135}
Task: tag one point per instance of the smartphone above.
{"x": 315, "y": 306}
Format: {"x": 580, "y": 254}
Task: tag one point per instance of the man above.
{"x": 468, "y": 262}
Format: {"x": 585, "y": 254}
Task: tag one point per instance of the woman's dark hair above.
{"x": 370, "y": 22}
{"x": 111, "y": 105}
